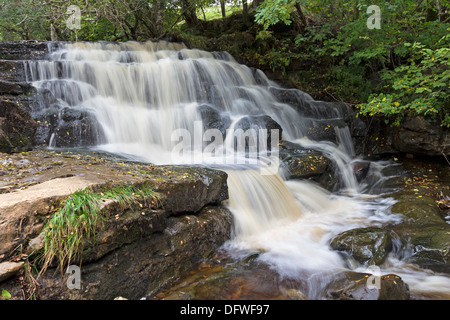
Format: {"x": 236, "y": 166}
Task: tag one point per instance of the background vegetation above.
{"x": 322, "y": 47}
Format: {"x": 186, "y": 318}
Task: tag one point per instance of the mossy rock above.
{"x": 425, "y": 235}
{"x": 366, "y": 245}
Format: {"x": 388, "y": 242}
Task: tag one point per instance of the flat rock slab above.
{"x": 33, "y": 184}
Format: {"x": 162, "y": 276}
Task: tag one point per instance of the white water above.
{"x": 141, "y": 94}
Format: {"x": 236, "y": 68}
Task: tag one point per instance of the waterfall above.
{"x": 164, "y": 103}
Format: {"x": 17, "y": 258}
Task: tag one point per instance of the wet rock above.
{"x": 214, "y": 119}
{"x": 324, "y": 129}
{"x": 366, "y": 245}
{"x": 425, "y": 235}
{"x": 12, "y": 71}
{"x": 7, "y": 87}
{"x": 17, "y": 128}
{"x": 301, "y": 163}
{"x": 360, "y": 169}
{"x": 415, "y": 136}
{"x": 258, "y": 122}
{"x": 23, "y": 50}
{"x": 223, "y": 277}
{"x": 200, "y": 186}
{"x": 77, "y": 128}
{"x": 310, "y": 108}
{"x": 363, "y": 286}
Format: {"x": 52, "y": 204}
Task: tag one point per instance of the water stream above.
{"x": 155, "y": 101}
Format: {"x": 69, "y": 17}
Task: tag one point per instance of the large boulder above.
{"x": 138, "y": 248}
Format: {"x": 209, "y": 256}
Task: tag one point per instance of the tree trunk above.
{"x": 300, "y": 18}
{"x": 189, "y": 12}
{"x": 222, "y": 6}
{"x": 245, "y": 10}
{"x": 158, "y": 18}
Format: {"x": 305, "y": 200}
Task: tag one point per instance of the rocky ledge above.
{"x": 139, "y": 247}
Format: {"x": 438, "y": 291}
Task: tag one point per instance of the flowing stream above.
{"x": 162, "y": 103}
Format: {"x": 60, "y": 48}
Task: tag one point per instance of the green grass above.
{"x": 79, "y": 219}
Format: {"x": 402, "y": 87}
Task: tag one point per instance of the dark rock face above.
{"x": 76, "y": 128}
{"x": 17, "y": 128}
{"x": 23, "y": 50}
{"x": 361, "y": 169}
{"x": 419, "y": 137}
{"x": 415, "y": 136}
{"x": 143, "y": 266}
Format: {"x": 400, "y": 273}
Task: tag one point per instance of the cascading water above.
{"x": 139, "y": 99}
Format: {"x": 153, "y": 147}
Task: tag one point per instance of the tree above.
{"x": 271, "y": 12}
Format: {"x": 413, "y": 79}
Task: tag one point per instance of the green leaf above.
{"x": 6, "y": 295}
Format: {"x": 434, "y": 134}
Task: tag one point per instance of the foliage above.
{"x": 270, "y": 12}
{"x": 100, "y": 19}
{"x": 389, "y": 69}
{"x": 398, "y": 70}
{"x": 418, "y": 88}
{"x": 78, "y": 220}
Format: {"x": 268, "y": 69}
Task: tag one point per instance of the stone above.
{"x": 301, "y": 163}
{"x": 414, "y": 136}
{"x": 23, "y": 50}
{"x": 8, "y": 269}
{"x": 214, "y": 119}
{"x": 12, "y": 70}
{"x": 366, "y": 245}
{"x": 77, "y": 129}
{"x": 180, "y": 190}
{"x": 417, "y": 136}
{"x": 360, "y": 169}
{"x": 37, "y": 243}
{"x": 257, "y": 122}
{"x": 351, "y": 285}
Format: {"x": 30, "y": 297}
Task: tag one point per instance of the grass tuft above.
{"x": 79, "y": 219}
